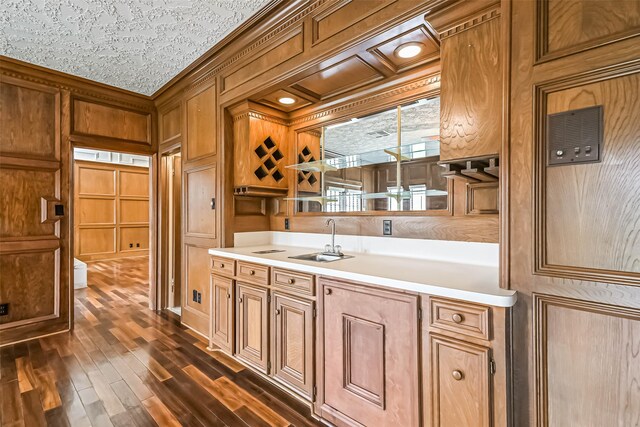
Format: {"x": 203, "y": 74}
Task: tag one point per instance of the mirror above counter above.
{"x": 383, "y": 161}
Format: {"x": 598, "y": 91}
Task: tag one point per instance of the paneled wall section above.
{"x": 111, "y": 205}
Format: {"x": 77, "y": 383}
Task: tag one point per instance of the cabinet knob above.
{"x": 457, "y": 375}
{"x": 240, "y": 300}
{"x": 252, "y": 273}
{"x": 277, "y": 312}
{"x": 291, "y": 281}
{"x": 228, "y": 296}
{"x": 221, "y": 265}
{"x": 327, "y": 291}
{"x": 457, "y": 318}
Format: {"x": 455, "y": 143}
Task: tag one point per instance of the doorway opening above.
{"x": 111, "y": 228}
{"x": 171, "y": 187}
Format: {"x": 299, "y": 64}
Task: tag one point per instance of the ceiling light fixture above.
{"x": 286, "y": 100}
{"x": 409, "y": 50}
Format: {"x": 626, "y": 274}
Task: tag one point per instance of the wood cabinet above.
{"x": 292, "y": 338}
{"x": 222, "y": 309}
{"x": 459, "y": 388}
{"x": 252, "y": 325}
{"x": 260, "y": 138}
{"x": 368, "y": 356}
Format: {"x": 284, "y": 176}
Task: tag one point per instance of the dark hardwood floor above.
{"x": 125, "y": 365}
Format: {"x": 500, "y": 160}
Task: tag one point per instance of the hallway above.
{"x": 126, "y": 365}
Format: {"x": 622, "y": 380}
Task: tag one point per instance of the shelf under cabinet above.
{"x": 413, "y": 151}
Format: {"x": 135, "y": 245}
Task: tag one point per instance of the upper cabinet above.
{"x": 471, "y": 81}
{"x": 260, "y": 140}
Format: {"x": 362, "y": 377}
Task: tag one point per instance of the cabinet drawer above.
{"x": 223, "y": 266}
{"x": 294, "y": 281}
{"x": 253, "y": 273}
{"x": 460, "y": 317}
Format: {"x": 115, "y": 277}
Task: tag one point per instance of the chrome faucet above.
{"x": 333, "y": 249}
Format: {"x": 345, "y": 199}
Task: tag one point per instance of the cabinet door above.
{"x": 222, "y": 312}
{"x": 252, "y": 343}
{"x": 293, "y": 342}
{"x": 369, "y": 357}
{"x": 459, "y": 383}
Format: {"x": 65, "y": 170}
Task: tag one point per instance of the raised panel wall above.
{"x": 97, "y": 120}
{"x": 34, "y": 174}
{"x": 111, "y": 210}
{"x": 576, "y": 199}
{"x": 570, "y": 26}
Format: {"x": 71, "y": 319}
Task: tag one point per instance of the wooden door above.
{"x": 252, "y": 326}
{"x": 222, "y": 312}
{"x": 292, "y": 340}
{"x": 34, "y": 201}
{"x": 369, "y": 360}
{"x": 459, "y": 383}
{"x": 200, "y": 222}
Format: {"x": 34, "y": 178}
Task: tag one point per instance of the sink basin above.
{"x": 320, "y": 257}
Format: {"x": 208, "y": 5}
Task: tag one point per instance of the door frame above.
{"x": 163, "y": 228}
{"x": 125, "y": 148}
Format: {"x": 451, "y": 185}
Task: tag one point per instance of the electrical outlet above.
{"x": 199, "y": 298}
{"x": 4, "y": 309}
{"x": 130, "y": 245}
{"x": 194, "y": 297}
{"x": 137, "y": 245}
{"x": 386, "y": 227}
{"x": 286, "y": 224}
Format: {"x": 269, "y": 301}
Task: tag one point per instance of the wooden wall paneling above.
{"x": 341, "y": 15}
{"x": 604, "y": 66}
{"x": 95, "y": 119}
{"x": 200, "y": 125}
{"x": 279, "y": 51}
{"x": 200, "y": 221}
{"x": 609, "y": 394}
{"x": 111, "y": 206}
{"x": 34, "y": 246}
{"x": 575, "y": 198}
{"x": 568, "y": 27}
{"x": 471, "y": 92}
{"x": 170, "y": 124}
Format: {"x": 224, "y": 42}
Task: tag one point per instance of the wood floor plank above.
{"x": 32, "y": 410}
{"x": 26, "y": 376}
{"x": 126, "y": 365}
{"x": 49, "y": 396}
{"x": 160, "y": 413}
{"x": 11, "y": 408}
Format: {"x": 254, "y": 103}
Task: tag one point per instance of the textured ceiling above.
{"x": 137, "y": 45}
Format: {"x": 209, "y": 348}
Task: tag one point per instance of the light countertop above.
{"x": 469, "y": 282}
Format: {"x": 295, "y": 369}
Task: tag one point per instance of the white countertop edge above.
{"x": 435, "y": 290}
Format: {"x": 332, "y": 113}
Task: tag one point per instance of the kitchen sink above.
{"x": 321, "y": 257}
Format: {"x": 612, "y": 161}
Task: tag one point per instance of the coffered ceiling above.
{"x": 137, "y": 45}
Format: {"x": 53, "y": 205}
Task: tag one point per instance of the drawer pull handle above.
{"x": 252, "y": 273}
{"x": 240, "y": 300}
{"x": 457, "y": 318}
{"x": 277, "y": 312}
{"x": 228, "y": 296}
{"x": 457, "y": 375}
{"x": 221, "y": 265}
{"x": 291, "y": 281}
{"x": 327, "y": 291}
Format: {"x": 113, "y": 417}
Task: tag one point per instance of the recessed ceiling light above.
{"x": 286, "y": 100}
{"x": 409, "y": 50}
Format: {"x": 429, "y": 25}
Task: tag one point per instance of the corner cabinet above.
{"x": 369, "y": 356}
